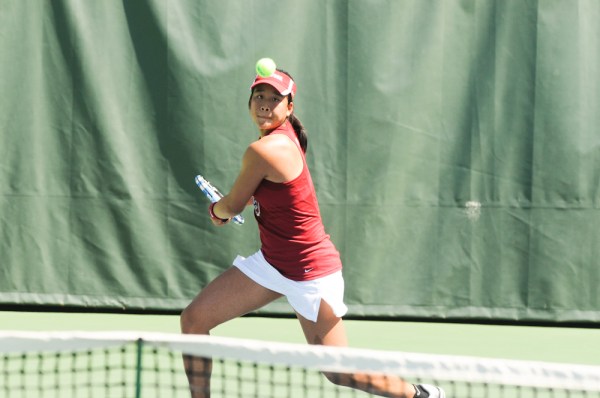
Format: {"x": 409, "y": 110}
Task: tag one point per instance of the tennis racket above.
{"x": 214, "y": 195}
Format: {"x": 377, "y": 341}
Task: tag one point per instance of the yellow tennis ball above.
{"x": 265, "y": 67}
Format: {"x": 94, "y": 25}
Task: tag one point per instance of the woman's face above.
{"x": 268, "y": 108}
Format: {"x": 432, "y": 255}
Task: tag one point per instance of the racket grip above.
{"x": 209, "y": 191}
{"x": 214, "y": 195}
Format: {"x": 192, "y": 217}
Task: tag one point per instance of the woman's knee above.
{"x": 195, "y": 321}
{"x": 185, "y": 320}
{"x": 340, "y": 379}
{"x": 360, "y": 381}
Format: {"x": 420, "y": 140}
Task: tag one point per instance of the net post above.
{"x": 138, "y": 368}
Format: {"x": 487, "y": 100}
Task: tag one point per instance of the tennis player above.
{"x": 297, "y": 258}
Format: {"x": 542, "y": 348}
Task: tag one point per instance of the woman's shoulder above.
{"x": 274, "y": 151}
{"x": 271, "y": 143}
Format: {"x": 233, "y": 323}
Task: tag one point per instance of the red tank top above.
{"x": 292, "y": 234}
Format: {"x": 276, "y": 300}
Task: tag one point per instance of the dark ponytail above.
{"x": 296, "y": 123}
{"x": 300, "y": 131}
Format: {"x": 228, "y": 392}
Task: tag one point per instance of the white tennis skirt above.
{"x": 304, "y": 296}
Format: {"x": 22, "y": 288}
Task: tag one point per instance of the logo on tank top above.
{"x": 256, "y": 207}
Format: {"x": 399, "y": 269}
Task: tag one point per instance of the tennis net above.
{"x": 132, "y": 364}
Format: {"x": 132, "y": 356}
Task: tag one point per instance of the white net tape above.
{"x": 335, "y": 359}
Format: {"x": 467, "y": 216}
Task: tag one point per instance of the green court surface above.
{"x": 567, "y": 345}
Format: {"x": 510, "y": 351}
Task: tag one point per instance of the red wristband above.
{"x": 212, "y": 214}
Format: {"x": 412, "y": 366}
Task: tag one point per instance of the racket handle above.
{"x": 238, "y": 219}
{"x": 214, "y": 195}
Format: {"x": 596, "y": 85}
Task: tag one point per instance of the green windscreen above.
{"x": 454, "y": 146}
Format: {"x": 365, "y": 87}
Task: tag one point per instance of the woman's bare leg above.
{"x": 231, "y": 295}
{"x": 329, "y": 330}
